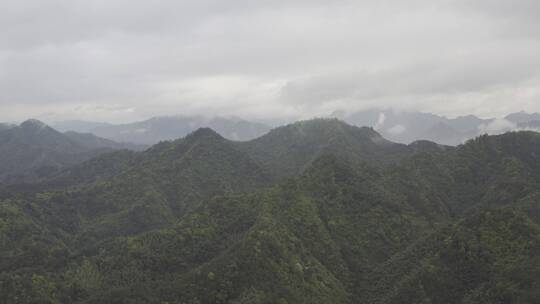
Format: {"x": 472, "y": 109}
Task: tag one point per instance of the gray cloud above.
{"x": 121, "y": 60}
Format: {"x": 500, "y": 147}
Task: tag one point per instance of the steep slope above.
{"x": 489, "y": 257}
{"x": 364, "y": 221}
{"x": 33, "y": 151}
{"x": 145, "y": 191}
{"x": 126, "y": 192}
{"x": 288, "y": 150}
{"x": 340, "y": 233}
{"x": 304, "y": 239}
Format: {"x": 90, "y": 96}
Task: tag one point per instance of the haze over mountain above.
{"x": 270, "y": 152}
{"x": 4, "y": 126}
{"x": 406, "y": 127}
{"x": 399, "y": 126}
{"x": 317, "y": 210}
{"x": 108, "y": 62}
{"x": 157, "y": 129}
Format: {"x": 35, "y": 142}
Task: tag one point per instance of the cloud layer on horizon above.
{"x": 121, "y": 60}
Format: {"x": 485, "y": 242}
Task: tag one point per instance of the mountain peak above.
{"x": 34, "y": 125}
{"x": 323, "y": 130}
{"x": 204, "y": 135}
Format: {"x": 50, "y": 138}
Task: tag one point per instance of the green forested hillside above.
{"x": 288, "y": 150}
{"x": 33, "y": 151}
{"x": 489, "y": 257}
{"x": 314, "y": 212}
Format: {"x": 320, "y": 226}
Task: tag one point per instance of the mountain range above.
{"x": 398, "y": 126}
{"x": 154, "y": 130}
{"x": 406, "y": 127}
{"x": 33, "y": 150}
{"x": 316, "y": 211}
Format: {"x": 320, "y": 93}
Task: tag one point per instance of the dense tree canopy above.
{"x": 314, "y": 212}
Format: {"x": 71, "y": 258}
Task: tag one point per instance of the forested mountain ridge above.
{"x": 33, "y": 151}
{"x": 284, "y": 152}
{"x": 129, "y": 192}
{"x": 288, "y": 150}
{"x": 358, "y": 219}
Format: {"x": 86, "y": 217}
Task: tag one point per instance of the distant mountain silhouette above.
{"x": 406, "y": 127}
{"x": 523, "y": 117}
{"x": 157, "y": 129}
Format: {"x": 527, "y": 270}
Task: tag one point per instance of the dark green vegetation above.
{"x": 314, "y": 212}
{"x": 33, "y": 151}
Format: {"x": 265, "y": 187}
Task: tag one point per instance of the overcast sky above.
{"x": 123, "y": 60}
